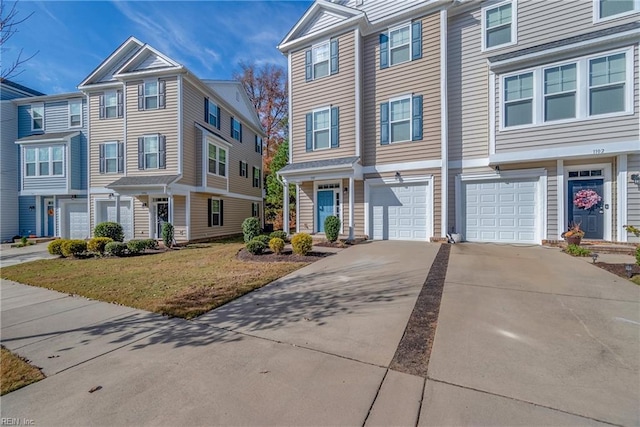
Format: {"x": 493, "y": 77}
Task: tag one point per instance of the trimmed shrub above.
{"x": 116, "y": 248}
{"x": 136, "y": 246}
{"x": 112, "y": 230}
{"x": 167, "y": 234}
{"x": 55, "y": 247}
{"x": 280, "y": 235}
{"x": 97, "y": 244}
{"x": 301, "y": 243}
{"x": 576, "y": 250}
{"x": 255, "y": 246}
{"x": 638, "y": 255}
{"x": 151, "y": 244}
{"x": 250, "y": 228}
{"x": 332, "y": 228}
{"x": 73, "y": 247}
{"x": 263, "y": 238}
{"x": 277, "y": 245}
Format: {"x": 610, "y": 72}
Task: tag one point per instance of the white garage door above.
{"x": 76, "y": 221}
{"x": 399, "y": 212}
{"x": 106, "y": 211}
{"x": 500, "y": 211}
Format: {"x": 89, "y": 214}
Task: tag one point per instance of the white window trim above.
{"x": 313, "y": 63}
{"x": 596, "y": 12}
{"x": 514, "y": 25}
{"x": 157, "y": 95}
{"x": 255, "y": 207}
{"x": 144, "y": 144}
{"x": 582, "y": 92}
{"x": 226, "y": 160}
{"x": 76, "y": 101}
{"x": 313, "y": 126}
{"x": 212, "y": 212}
{"x": 107, "y": 94}
{"x": 259, "y": 145}
{"x": 244, "y": 170}
{"x": 253, "y": 177}
{"x": 402, "y": 98}
{"x": 233, "y": 128}
{"x": 107, "y": 158}
{"x": 33, "y": 106}
{"x": 576, "y": 91}
{"x": 398, "y": 27}
{"x": 215, "y": 107}
{"x": 37, "y": 162}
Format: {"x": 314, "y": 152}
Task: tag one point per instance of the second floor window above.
{"x": 75, "y": 113}
{"x": 499, "y": 28}
{"x": 607, "y": 81}
{"x": 151, "y": 148}
{"x": 612, "y": 8}
{"x": 151, "y": 95}
{"x": 401, "y": 120}
{"x": 217, "y": 160}
{"x": 322, "y": 129}
{"x": 258, "y": 144}
{"x": 236, "y": 129}
{"x": 111, "y": 104}
{"x": 320, "y": 57}
{"x": 401, "y": 44}
{"x": 321, "y": 60}
{"x": 244, "y": 169}
{"x": 152, "y": 152}
{"x": 211, "y": 113}
{"x": 560, "y": 92}
{"x": 518, "y": 100}
{"x": 37, "y": 117}
{"x": 112, "y": 157}
{"x": 44, "y": 161}
{"x": 257, "y": 178}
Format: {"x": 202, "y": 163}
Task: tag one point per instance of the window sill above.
{"x": 498, "y": 47}
{"x": 614, "y": 17}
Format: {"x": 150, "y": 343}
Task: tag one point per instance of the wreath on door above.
{"x": 586, "y": 199}
{"x": 50, "y": 211}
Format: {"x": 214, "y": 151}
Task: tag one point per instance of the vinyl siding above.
{"x": 323, "y": 20}
{"x": 306, "y": 210}
{"x": 9, "y": 170}
{"x": 419, "y": 77}
{"x": 24, "y": 121}
{"x": 75, "y": 162}
{"x": 27, "y": 216}
{"x": 192, "y": 112}
{"x": 235, "y": 211}
{"x": 336, "y": 90}
{"x": 149, "y": 122}
{"x": 468, "y": 89}
{"x": 633, "y": 196}
{"x": 180, "y": 218}
{"x": 378, "y": 9}
{"x": 358, "y": 208}
{"x": 101, "y": 131}
{"x": 610, "y": 129}
{"x": 141, "y": 217}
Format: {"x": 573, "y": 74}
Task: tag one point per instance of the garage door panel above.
{"x": 399, "y": 212}
{"x": 76, "y": 221}
{"x": 500, "y": 211}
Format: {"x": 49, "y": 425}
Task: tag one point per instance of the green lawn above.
{"x": 184, "y": 283}
{"x": 15, "y": 372}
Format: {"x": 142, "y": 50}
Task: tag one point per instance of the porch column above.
{"x": 170, "y": 206}
{"x": 351, "y": 206}
{"x": 285, "y": 206}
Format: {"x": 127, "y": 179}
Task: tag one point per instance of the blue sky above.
{"x": 208, "y": 37}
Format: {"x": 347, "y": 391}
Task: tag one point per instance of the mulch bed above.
{"x": 327, "y": 244}
{"x": 414, "y": 350}
{"x": 285, "y": 256}
{"x": 618, "y": 269}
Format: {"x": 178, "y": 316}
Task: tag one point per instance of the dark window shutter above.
{"x": 102, "y": 159}
{"x": 240, "y": 168}
{"x": 221, "y": 212}
{"x": 255, "y": 143}
{"x": 162, "y": 94}
{"x": 218, "y": 117}
{"x": 206, "y": 109}
{"x": 309, "y": 131}
{"x": 384, "y": 51}
{"x": 335, "y": 127}
{"x": 162, "y": 151}
{"x": 231, "y": 121}
{"x": 210, "y": 213}
{"x": 102, "y": 113}
{"x": 416, "y": 40}
{"x": 384, "y": 123}
{"x": 416, "y": 117}
{"x": 120, "y": 157}
{"x": 334, "y": 56}
{"x": 120, "y": 101}
{"x": 141, "y": 153}
{"x": 240, "y": 126}
{"x": 141, "y": 96}
{"x": 308, "y": 70}
{"x": 253, "y": 176}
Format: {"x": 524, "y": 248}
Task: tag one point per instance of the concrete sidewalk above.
{"x": 310, "y": 349}
{"x": 532, "y": 336}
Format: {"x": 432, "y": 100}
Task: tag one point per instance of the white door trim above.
{"x": 46, "y": 215}
{"x": 338, "y": 191}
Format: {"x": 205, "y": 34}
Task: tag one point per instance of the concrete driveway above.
{"x": 11, "y": 256}
{"x": 526, "y": 336}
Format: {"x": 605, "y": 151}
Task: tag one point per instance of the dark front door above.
{"x": 586, "y": 206}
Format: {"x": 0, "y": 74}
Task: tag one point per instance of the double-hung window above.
{"x": 111, "y": 104}
{"x": 255, "y": 209}
{"x": 321, "y": 129}
{"x": 30, "y": 161}
{"x": 612, "y": 8}
{"x": 400, "y": 119}
{"x": 151, "y": 152}
{"x": 321, "y": 60}
{"x": 607, "y": 84}
{"x": 151, "y": 95}
{"x": 44, "y": 161}
{"x": 244, "y": 169}
{"x": 236, "y": 129}
{"x": 560, "y": 85}
{"x": 75, "y": 113}
{"x": 258, "y": 144}
{"x": 499, "y": 26}
{"x": 37, "y": 117}
{"x": 518, "y": 99}
{"x": 320, "y": 57}
{"x": 400, "y": 44}
{"x": 213, "y": 114}
{"x": 217, "y": 160}
{"x": 215, "y": 212}
{"x": 111, "y": 157}
{"x": 257, "y": 178}
{"x": 56, "y": 161}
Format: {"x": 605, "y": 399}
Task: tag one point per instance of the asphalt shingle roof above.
{"x": 46, "y": 136}
{"x": 134, "y": 181}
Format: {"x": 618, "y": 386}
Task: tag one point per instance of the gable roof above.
{"x": 10, "y": 90}
{"x": 147, "y": 59}
{"x": 234, "y": 94}
{"x": 104, "y": 73}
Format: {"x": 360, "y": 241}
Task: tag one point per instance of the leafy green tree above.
{"x": 274, "y": 197}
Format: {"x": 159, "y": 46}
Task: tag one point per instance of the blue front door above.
{"x": 586, "y": 206}
{"x": 49, "y": 214}
{"x": 325, "y": 207}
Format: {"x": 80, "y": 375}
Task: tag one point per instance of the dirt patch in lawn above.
{"x": 16, "y": 372}
{"x": 619, "y": 270}
{"x": 285, "y": 256}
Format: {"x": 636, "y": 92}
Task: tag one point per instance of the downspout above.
{"x": 444, "y": 127}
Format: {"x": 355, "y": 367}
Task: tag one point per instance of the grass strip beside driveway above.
{"x": 183, "y": 283}
{"x": 15, "y": 372}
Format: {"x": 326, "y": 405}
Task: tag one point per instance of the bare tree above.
{"x": 9, "y": 22}
{"x": 266, "y": 86}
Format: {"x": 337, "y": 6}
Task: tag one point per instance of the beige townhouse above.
{"x": 367, "y": 111}
{"x": 502, "y": 120}
{"x": 167, "y": 146}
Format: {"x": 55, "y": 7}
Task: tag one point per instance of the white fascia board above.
{"x": 610, "y": 40}
{"x": 114, "y": 55}
{"x": 45, "y": 98}
{"x": 146, "y": 48}
{"x": 116, "y": 84}
{"x": 348, "y": 24}
{"x": 393, "y": 167}
{"x": 318, "y": 173}
{"x": 420, "y": 9}
{"x": 592, "y": 151}
{"x": 169, "y": 71}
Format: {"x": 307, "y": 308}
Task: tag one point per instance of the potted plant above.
{"x": 574, "y": 234}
